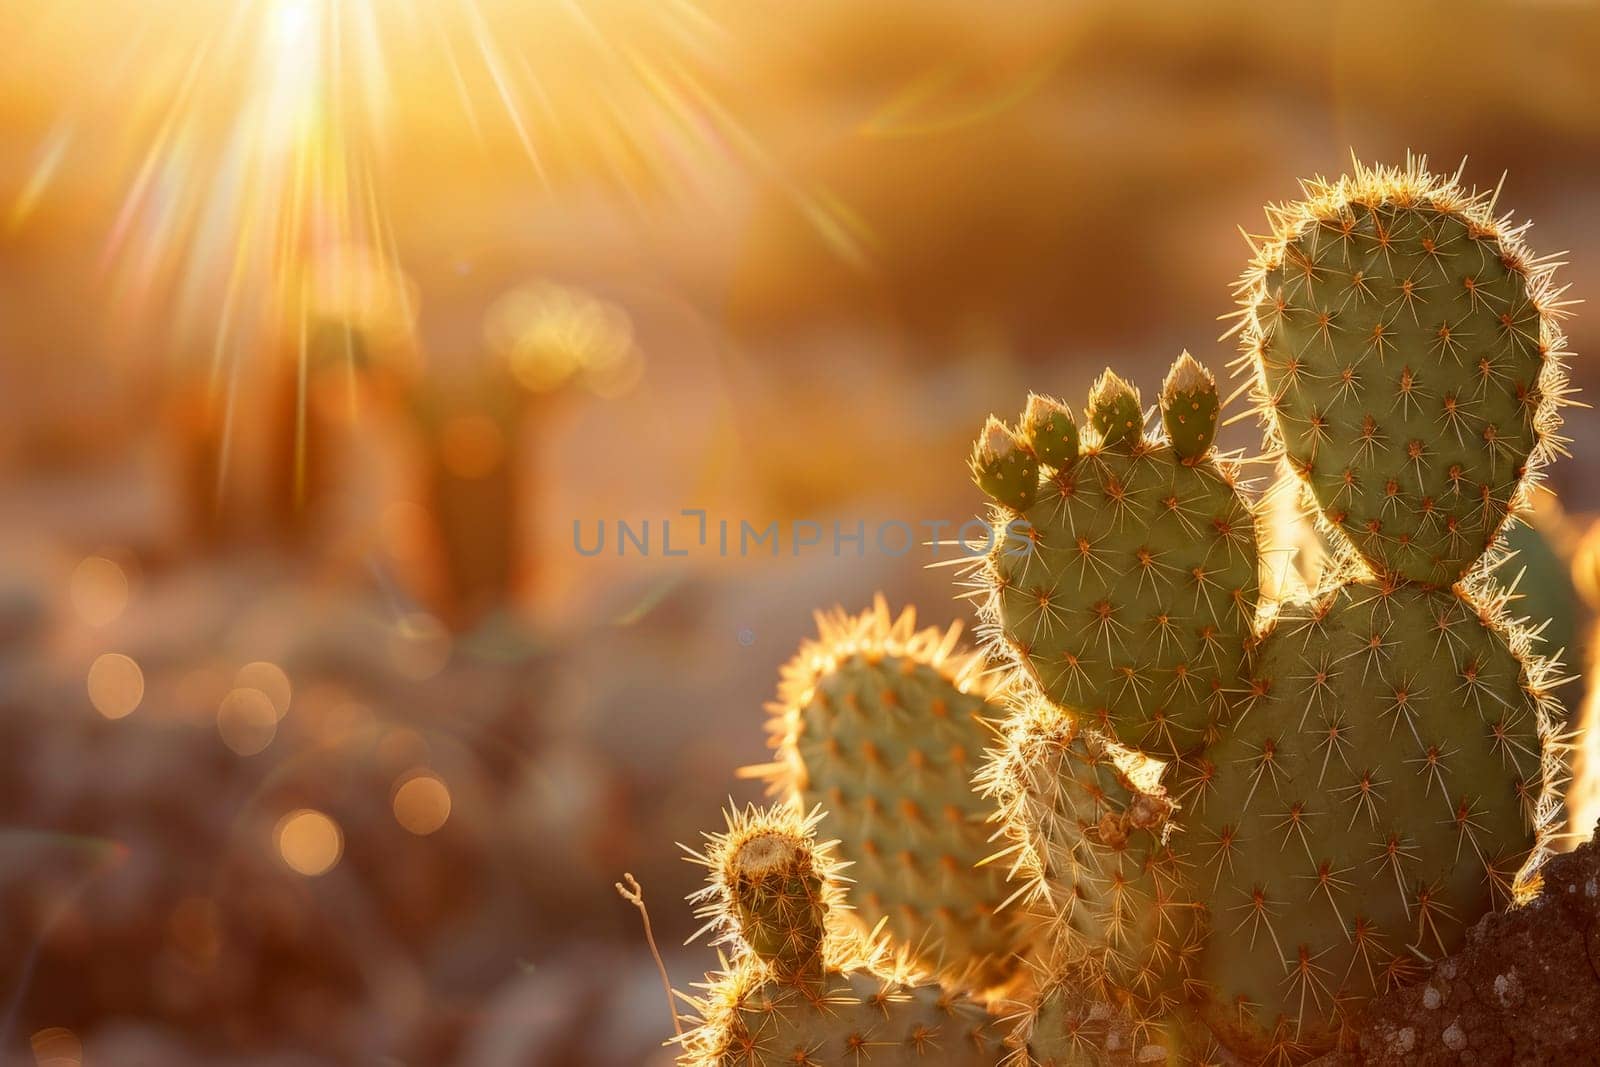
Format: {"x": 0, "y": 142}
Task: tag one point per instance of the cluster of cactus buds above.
{"x": 1136, "y": 592}
{"x": 1164, "y": 811}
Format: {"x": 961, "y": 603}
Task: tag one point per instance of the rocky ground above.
{"x": 1524, "y": 990}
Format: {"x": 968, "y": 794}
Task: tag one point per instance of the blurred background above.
{"x": 322, "y": 322}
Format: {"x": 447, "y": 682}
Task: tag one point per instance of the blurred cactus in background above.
{"x": 476, "y": 427}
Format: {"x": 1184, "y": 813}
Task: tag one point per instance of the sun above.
{"x": 250, "y": 151}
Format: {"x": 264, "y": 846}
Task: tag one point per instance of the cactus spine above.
{"x": 797, "y": 991}
{"x": 884, "y": 726}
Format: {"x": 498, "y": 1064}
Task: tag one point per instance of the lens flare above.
{"x": 309, "y": 842}
{"x": 116, "y": 685}
{"x": 255, "y": 156}
{"x": 422, "y": 803}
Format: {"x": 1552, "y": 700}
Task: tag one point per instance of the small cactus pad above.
{"x": 1189, "y": 407}
{"x": 1087, "y": 821}
{"x": 777, "y": 894}
{"x": 1385, "y": 780}
{"x": 1132, "y": 594}
{"x": 770, "y": 889}
{"x": 769, "y": 894}
{"x": 1049, "y": 431}
{"x": 884, "y": 725}
{"x": 1002, "y": 468}
{"x": 1114, "y": 409}
{"x": 1408, "y": 360}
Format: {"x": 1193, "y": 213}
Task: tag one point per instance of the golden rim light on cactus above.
{"x": 1086, "y": 823}
{"x": 1357, "y": 288}
{"x": 723, "y": 856}
{"x": 884, "y": 725}
{"x": 853, "y": 1001}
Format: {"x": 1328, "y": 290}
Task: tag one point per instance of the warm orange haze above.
{"x": 427, "y": 426}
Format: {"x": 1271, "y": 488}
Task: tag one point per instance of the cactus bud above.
{"x": 1189, "y": 407}
{"x": 1050, "y": 431}
{"x": 1114, "y": 409}
{"x": 1006, "y": 472}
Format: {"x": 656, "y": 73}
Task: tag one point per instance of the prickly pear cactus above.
{"x": 1407, "y": 354}
{"x": 1389, "y": 773}
{"x": 797, "y": 993}
{"x": 884, "y": 726}
{"x": 1130, "y": 589}
{"x": 1379, "y": 763}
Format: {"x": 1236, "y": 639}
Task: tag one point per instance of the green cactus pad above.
{"x": 1049, "y": 431}
{"x": 884, "y": 726}
{"x": 771, "y": 890}
{"x": 1383, "y": 784}
{"x": 1002, "y": 468}
{"x": 1133, "y": 595}
{"x": 1408, "y": 360}
{"x": 1087, "y": 821}
{"x": 1189, "y": 408}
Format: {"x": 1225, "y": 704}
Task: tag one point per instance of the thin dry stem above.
{"x": 633, "y": 893}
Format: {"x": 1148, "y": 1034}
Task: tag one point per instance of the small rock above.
{"x": 1455, "y": 1038}
{"x": 1507, "y": 989}
{"x": 1431, "y": 998}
